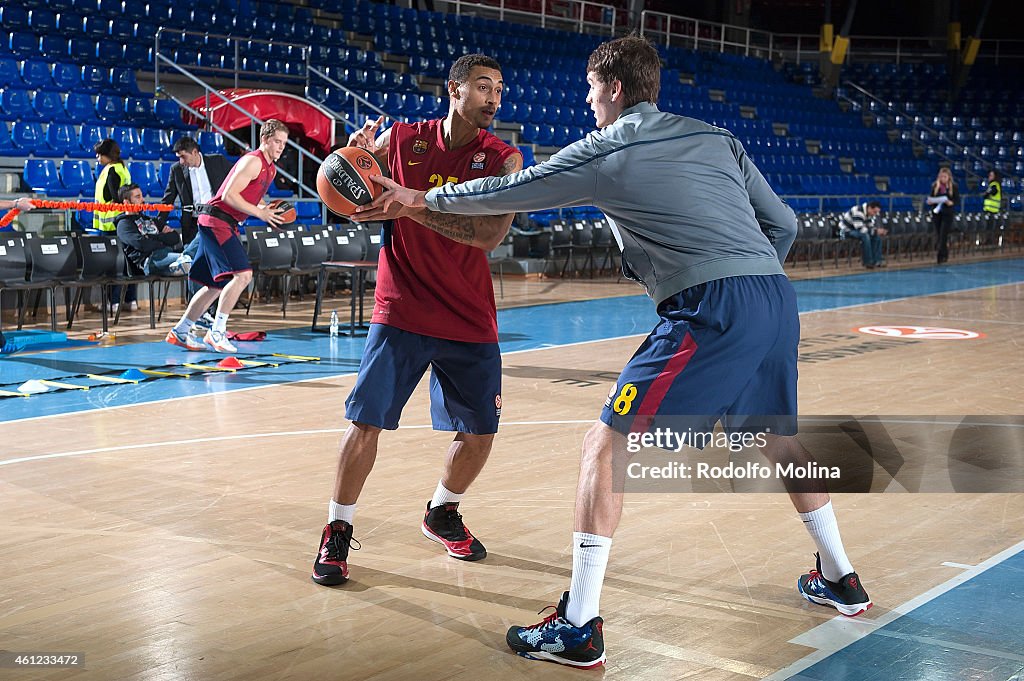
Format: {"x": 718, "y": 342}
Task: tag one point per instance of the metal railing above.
{"x": 940, "y": 136}
{"x": 897, "y": 49}
{"x": 357, "y": 99}
{"x": 308, "y": 71}
{"x": 683, "y": 31}
{"x": 697, "y": 34}
{"x": 254, "y": 122}
{"x": 577, "y": 18}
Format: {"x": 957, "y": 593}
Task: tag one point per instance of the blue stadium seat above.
{"x": 80, "y": 107}
{"x": 64, "y": 141}
{"x": 88, "y": 136}
{"x": 126, "y": 138}
{"x": 14, "y": 17}
{"x": 164, "y": 172}
{"x": 309, "y": 212}
{"x": 121, "y": 30}
{"x": 210, "y": 142}
{"x": 147, "y": 177}
{"x": 169, "y": 114}
{"x": 152, "y": 145}
{"x": 42, "y": 177}
{"x": 10, "y": 74}
{"x": 76, "y": 176}
{"x": 95, "y": 26}
{"x": 138, "y": 55}
{"x": 50, "y": 106}
{"x": 122, "y": 80}
{"x": 110, "y": 108}
{"x": 53, "y": 47}
{"x": 94, "y": 78}
{"x": 17, "y": 105}
{"x": 69, "y": 25}
{"x": 23, "y": 44}
{"x": 7, "y": 147}
{"x": 42, "y": 20}
{"x": 527, "y": 152}
{"x": 83, "y": 50}
{"x": 30, "y": 138}
{"x": 139, "y": 111}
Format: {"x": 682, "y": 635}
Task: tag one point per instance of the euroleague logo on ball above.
{"x": 364, "y": 162}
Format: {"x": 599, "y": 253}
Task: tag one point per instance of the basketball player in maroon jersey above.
{"x": 434, "y": 308}
{"x": 221, "y": 264}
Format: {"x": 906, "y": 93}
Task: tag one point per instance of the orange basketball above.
{"x": 289, "y": 215}
{"x": 343, "y": 180}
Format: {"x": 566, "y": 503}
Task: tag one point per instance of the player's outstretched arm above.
{"x": 481, "y": 231}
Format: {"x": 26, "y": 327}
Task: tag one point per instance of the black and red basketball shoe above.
{"x": 444, "y": 525}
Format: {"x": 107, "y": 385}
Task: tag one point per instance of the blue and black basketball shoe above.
{"x": 555, "y": 639}
{"x": 847, "y": 595}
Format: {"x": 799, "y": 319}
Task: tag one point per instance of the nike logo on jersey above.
{"x": 588, "y": 546}
{"x": 414, "y": 163}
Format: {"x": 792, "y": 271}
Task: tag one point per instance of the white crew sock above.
{"x": 220, "y": 323}
{"x": 589, "y": 560}
{"x": 184, "y": 325}
{"x": 336, "y": 511}
{"x": 824, "y": 529}
{"x": 443, "y": 495}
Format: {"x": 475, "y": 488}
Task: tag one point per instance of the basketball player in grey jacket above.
{"x": 701, "y": 229}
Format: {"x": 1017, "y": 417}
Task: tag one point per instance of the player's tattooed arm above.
{"x": 461, "y": 228}
{"x": 483, "y": 231}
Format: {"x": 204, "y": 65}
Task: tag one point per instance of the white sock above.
{"x": 443, "y": 495}
{"x": 184, "y": 325}
{"x": 589, "y": 560}
{"x": 220, "y": 323}
{"x": 336, "y": 511}
{"x": 824, "y": 529}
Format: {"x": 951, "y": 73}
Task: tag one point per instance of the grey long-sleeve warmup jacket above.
{"x": 686, "y": 204}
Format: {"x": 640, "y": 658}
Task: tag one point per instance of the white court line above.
{"x": 246, "y": 436}
{"x": 899, "y": 300}
{"x": 961, "y": 566}
{"x": 513, "y": 352}
{"x": 840, "y": 632}
{"x": 277, "y": 385}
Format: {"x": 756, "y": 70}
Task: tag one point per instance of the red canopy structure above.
{"x": 301, "y": 116}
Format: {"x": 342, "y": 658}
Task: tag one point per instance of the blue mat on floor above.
{"x": 31, "y": 341}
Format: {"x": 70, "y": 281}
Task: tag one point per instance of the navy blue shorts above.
{"x": 465, "y": 381}
{"x": 725, "y": 350}
{"x": 220, "y": 254}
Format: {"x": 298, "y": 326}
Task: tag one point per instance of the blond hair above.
{"x": 271, "y": 127}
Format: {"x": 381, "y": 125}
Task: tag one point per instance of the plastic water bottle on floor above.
{"x": 334, "y": 323}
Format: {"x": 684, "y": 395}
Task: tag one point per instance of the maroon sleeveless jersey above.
{"x": 427, "y": 283}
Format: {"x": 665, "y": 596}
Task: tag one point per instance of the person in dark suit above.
{"x": 194, "y": 180}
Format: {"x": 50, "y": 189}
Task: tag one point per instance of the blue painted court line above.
{"x": 973, "y": 631}
{"x": 524, "y": 328}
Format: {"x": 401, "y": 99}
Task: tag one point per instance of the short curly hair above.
{"x": 464, "y": 64}
{"x": 270, "y": 127}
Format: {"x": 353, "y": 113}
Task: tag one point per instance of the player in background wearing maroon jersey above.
{"x": 434, "y": 307}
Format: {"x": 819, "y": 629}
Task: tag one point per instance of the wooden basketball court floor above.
{"x": 165, "y": 530}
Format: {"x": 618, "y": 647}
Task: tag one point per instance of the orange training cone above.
{"x": 230, "y": 363}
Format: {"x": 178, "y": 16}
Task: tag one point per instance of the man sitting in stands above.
{"x": 859, "y": 223}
